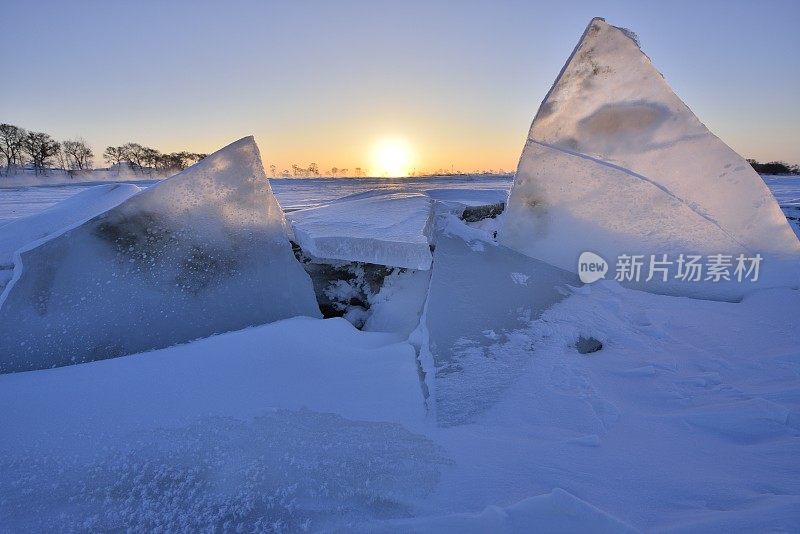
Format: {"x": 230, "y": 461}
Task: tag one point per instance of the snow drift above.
{"x": 616, "y": 163}
{"x": 200, "y": 253}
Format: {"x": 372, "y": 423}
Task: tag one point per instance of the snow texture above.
{"x": 391, "y": 229}
{"x": 72, "y": 211}
{"x": 397, "y": 307}
{"x": 687, "y": 419}
{"x": 481, "y": 296}
{"x": 200, "y": 253}
{"x": 557, "y": 512}
{"x": 616, "y": 163}
{"x": 229, "y": 432}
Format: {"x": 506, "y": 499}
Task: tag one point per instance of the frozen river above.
{"x": 292, "y": 193}
{"x": 298, "y": 193}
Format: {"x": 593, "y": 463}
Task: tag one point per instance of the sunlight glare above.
{"x": 392, "y": 158}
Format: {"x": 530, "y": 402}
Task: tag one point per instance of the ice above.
{"x": 558, "y": 512}
{"x": 77, "y": 208}
{"x": 200, "y": 253}
{"x": 475, "y": 318}
{"x": 468, "y": 197}
{"x": 397, "y": 306}
{"x": 616, "y": 163}
{"x": 301, "y": 421}
{"x": 391, "y": 229}
{"x": 272, "y": 474}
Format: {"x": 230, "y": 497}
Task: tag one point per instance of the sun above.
{"x": 392, "y": 157}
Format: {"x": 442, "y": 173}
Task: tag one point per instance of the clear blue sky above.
{"x": 323, "y": 80}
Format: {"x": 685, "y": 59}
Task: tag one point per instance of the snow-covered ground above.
{"x": 687, "y": 419}
{"x": 786, "y": 190}
{"x": 216, "y": 352}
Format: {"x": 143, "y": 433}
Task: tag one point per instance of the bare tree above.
{"x": 114, "y": 155}
{"x": 273, "y": 170}
{"x": 40, "y": 147}
{"x": 135, "y": 154}
{"x": 152, "y": 158}
{"x": 12, "y": 139}
{"x": 79, "y": 155}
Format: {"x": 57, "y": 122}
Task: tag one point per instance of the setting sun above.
{"x": 391, "y": 157}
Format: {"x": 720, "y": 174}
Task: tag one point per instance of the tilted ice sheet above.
{"x": 390, "y": 229}
{"x": 77, "y": 208}
{"x": 481, "y": 298}
{"x": 611, "y": 121}
{"x": 200, "y": 253}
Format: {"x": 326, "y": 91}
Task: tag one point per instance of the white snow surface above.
{"x": 378, "y": 227}
{"x": 235, "y": 428}
{"x": 670, "y": 426}
{"x": 687, "y": 419}
{"x": 173, "y": 263}
{"x": 616, "y": 163}
{"x": 75, "y": 209}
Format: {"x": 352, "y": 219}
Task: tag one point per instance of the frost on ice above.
{"x": 78, "y": 208}
{"x": 481, "y": 300}
{"x": 202, "y": 252}
{"x": 372, "y": 227}
{"x": 616, "y": 163}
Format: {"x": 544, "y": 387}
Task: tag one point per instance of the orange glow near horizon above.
{"x": 392, "y": 157}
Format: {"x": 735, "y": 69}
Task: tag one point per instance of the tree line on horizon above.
{"x": 21, "y": 149}
{"x": 313, "y": 171}
{"x": 774, "y": 167}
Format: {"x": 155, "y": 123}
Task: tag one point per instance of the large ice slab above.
{"x": 200, "y": 253}
{"x": 390, "y": 229}
{"x": 481, "y": 299}
{"x": 78, "y": 208}
{"x": 616, "y": 163}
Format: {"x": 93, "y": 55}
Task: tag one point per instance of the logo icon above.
{"x": 591, "y": 267}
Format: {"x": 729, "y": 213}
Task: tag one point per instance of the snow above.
{"x": 391, "y": 229}
{"x": 78, "y": 208}
{"x": 475, "y": 310}
{"x": 24, "y": 201}
{"x": 556, "y": 512}
{"x": 397, "y": 307}
{"x": 170, "y": 264}
{"x": 216, "y": 430}
{"x": 685, "y": 420}
{"x": 56, "y": 177}
{"x": 616, "y": 163}
{"x": 301, "y": 193}
{"x": 787, "y": 193}
{"x": 488, "y": 392}
{"x": 235, "y": 427}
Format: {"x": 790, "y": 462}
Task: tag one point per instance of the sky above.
{"x": 443, "y": 84}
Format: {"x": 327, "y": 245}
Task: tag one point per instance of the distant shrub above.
{"x": 774, "y": 167}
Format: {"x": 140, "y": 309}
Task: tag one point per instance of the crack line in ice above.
{"x": 648, "y": 180}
